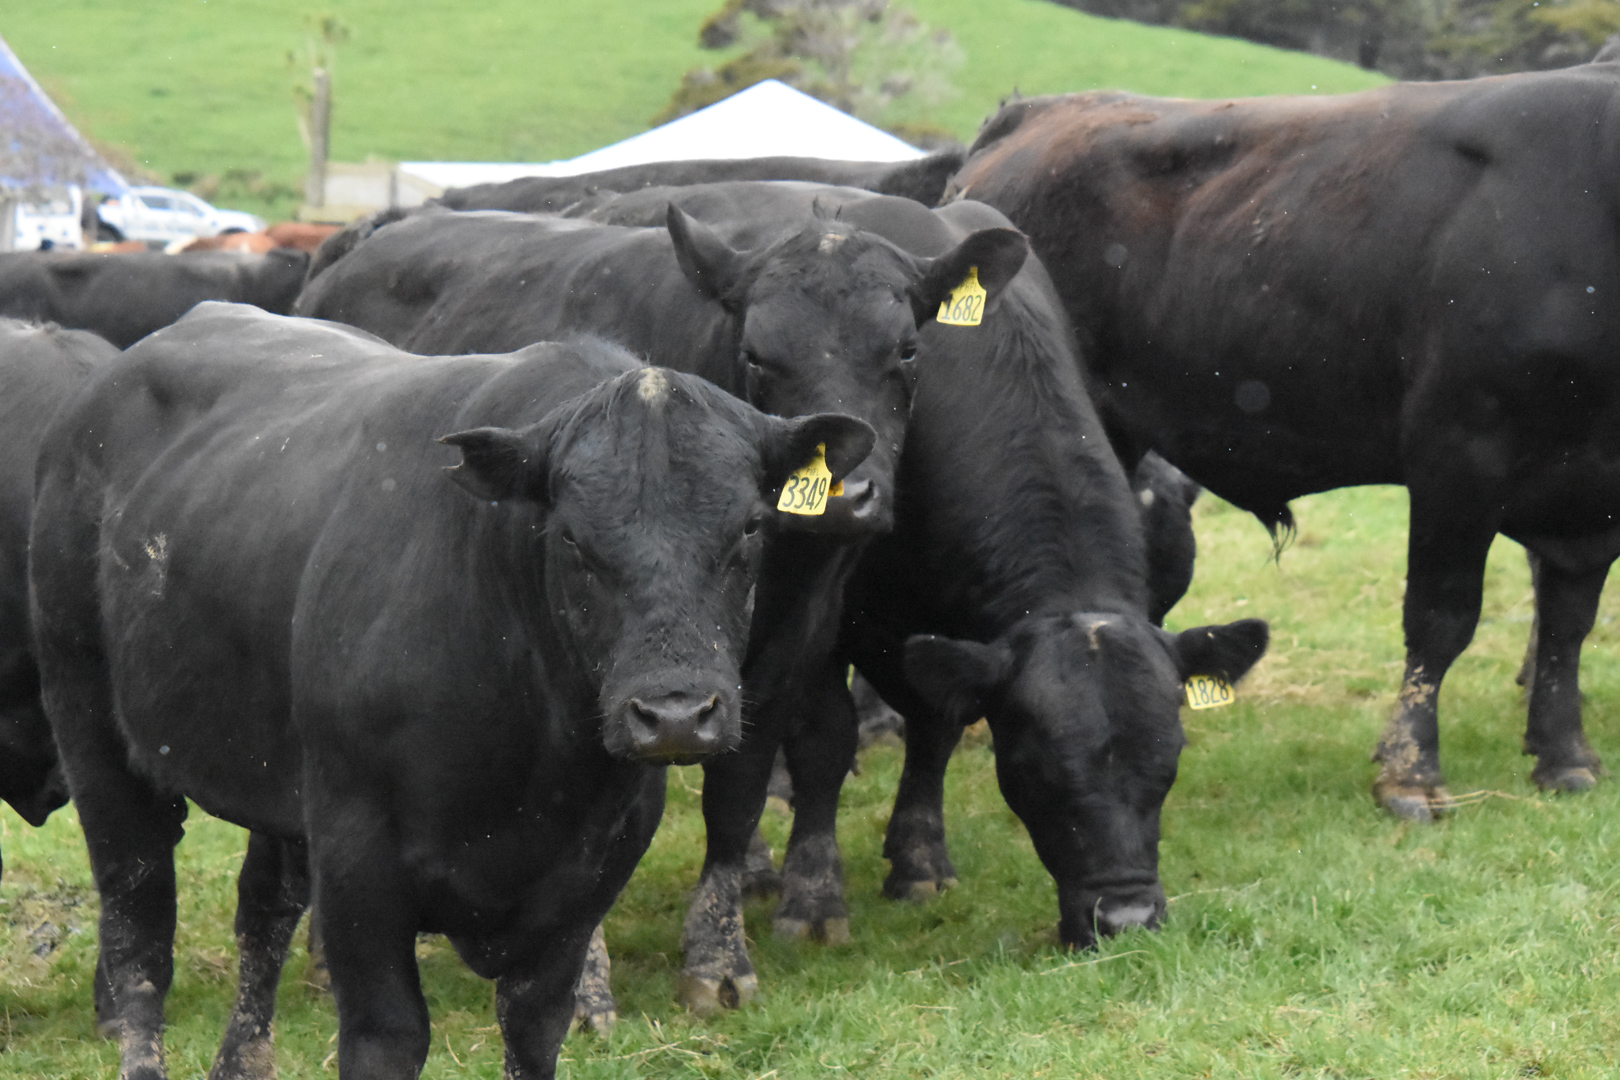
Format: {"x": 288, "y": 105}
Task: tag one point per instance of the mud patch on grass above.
{"x": 40, "y": 920}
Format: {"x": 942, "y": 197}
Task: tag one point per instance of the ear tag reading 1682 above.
{"x": 807, "y": 488}
{"x": 1208, "y": 692}
{"x": 965, "y": 305}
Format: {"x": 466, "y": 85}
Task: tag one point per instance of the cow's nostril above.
{"x": 862, "y": 495}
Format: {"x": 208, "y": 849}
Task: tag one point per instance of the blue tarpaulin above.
{"x": 39, "y": 148}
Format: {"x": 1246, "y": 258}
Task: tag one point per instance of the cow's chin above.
{"x": 661, "y": 726}
{"x": 1090, "y": 914}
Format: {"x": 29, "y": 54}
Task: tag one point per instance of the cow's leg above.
{"x": 363, "y": 899}
{"x": 535, "y": 1006}
{"x": 594, "y": 1006}
{"x": 535, "y": 995}
{"x": 819, "y": 755}
{"x": 271, "y": 895}
{"x": 1527, "y": 667}
{"x": 130, "y": 830}
{"x": 1566, "y": 606}
{"x": 1445, "y": 573}
{"x": 920, "y": 864}
{"x": 718, "y": 973}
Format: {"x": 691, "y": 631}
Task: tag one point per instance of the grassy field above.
{"x": 198, "y": 92}
{"x": 1308, "y": 936}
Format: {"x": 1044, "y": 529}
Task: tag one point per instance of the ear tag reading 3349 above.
{"x": 965, "y": 305}
{"x": 1208, "y": 692}
{"x": 807, "y": 488}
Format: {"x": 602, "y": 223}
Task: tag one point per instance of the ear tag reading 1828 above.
{"x": 965, "y": 305}
{"x": 1208, "y": 692}
{"x": 807, "y": 488}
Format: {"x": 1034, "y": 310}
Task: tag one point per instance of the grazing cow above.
{"x": 39, "y": 367}
{"x": 1408, "y": 285}
{"x": 125, "y": 297}
{"x": 255, "y": 585}
{"x": 923, "y": 180}
{"x": 1012, "y": 587}
{"x": 817, "y": 312}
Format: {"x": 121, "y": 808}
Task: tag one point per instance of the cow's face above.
{"x": 1084, "y": 710}
{"x": 827, "y": 322}
{"x": 658, "y": 490}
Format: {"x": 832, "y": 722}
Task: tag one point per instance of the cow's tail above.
{"x": 1279, "y": 522}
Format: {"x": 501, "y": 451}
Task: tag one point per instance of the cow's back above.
{"x": 1262, "y": 285}
{"x": 124, "y": 297}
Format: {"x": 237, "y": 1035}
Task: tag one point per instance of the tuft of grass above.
{"x": 1308, "y": 936}
{"x": 201, "y": 94}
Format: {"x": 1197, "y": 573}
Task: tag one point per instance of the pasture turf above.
{"x": 197, "y": 90}
{"x": 1309, "y": 935}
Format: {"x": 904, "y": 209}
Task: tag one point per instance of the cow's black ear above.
{"x": 709, "y": 263}
{"x": 956, "y": 677}
{"x": 996, "y": 254}
{"x": 498, "y": 463}
{"x": 1226, "y": 651}
{"x": 793, "y": 443}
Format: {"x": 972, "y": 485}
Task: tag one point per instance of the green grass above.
{"x": 198, "y": 89}
{"x": 1309, "y": 935}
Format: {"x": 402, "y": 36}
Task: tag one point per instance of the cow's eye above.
{"x": 908, "y": 354}
{"x": 753, "y": 362}
{"x": 752, "y": 527}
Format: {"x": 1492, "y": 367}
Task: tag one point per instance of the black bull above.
{"x": 255, "y": 586}
{"x": 1016, "y": 528}
{"x": 1411, "y": 285}
{"x": 817, "y": 315}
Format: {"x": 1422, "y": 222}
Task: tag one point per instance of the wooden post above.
{"x": 8, "y": 221}
{"x": 320, "y": 130}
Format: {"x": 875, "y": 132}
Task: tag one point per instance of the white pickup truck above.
{"x": 167, "y": 214}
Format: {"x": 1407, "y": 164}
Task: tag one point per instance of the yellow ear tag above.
{"x": 807, "y": 488}
{"x": 965, "y": 306}
{"x": 1208, "y": 692}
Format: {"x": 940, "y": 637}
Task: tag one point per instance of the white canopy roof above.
{"x": 769, "y": 119}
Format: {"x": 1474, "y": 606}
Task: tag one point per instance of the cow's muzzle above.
{"x": 864, "y": 509}
{"x": 675, "y": 729}
{"x": 1090, "y": 914}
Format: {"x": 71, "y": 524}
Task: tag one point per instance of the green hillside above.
{"x": 198, "y": 89}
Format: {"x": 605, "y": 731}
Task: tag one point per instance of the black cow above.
{"x": 923, "y": 179}
{"x": 125, "y": 297}
{"x": 255, "y": 586}
{"x": 1019, "y": 542}
{"x": 39, "y": 367}
{"x": 818, "y": 315}
{"x": 1409, "y": 285}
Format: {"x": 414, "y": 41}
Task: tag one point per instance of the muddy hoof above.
{"x": 707, "y": 996}
{"x": 1412, "y": 803}
{"x": 832, "y": 931}
{"x": 917, "y": 892}
{"x": 597, "y": 1023}
{"x": 1565, "y": 778}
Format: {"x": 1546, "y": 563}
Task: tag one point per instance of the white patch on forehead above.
{"x": 830, "y": 241}
{"x": 653, "y": 386}
{"x": 1091, "y": 632}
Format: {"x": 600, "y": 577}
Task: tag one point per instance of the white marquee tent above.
{"x": 769, "y": 119}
